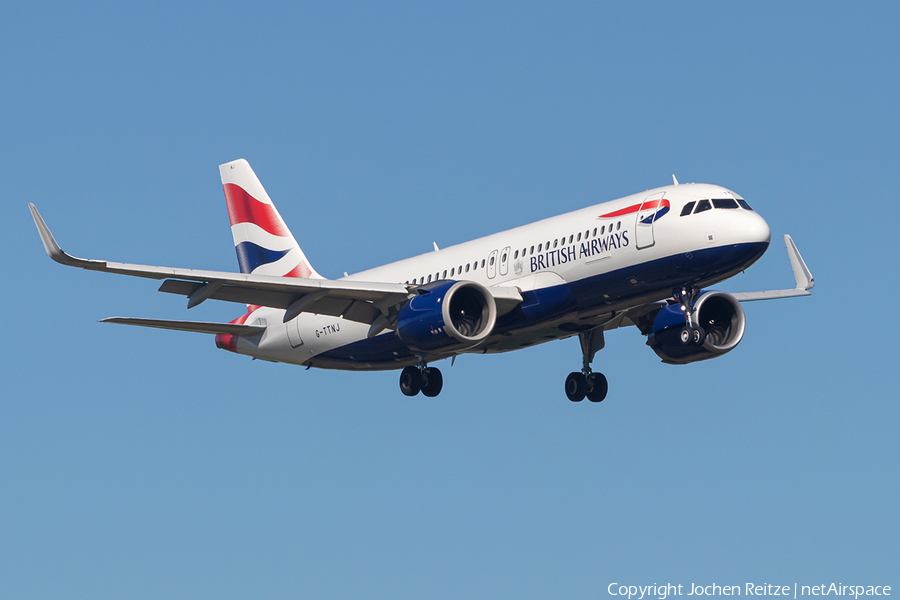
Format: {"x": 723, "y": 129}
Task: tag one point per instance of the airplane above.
{"x": 644, "y": 260}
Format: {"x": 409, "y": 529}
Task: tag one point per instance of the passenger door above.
{"x": 492, "y": 265}
{"x": 504, "y": 261}
{"x": 646, "y": 216}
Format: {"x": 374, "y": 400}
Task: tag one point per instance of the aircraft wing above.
{"x": 356, "y": 301}
{"x": 802, "y": 275}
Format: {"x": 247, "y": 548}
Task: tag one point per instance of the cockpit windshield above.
{"x": 699, "y": 206}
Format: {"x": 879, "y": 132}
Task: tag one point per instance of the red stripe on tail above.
{"x": 244, "y": 208}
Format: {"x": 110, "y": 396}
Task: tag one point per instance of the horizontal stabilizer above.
{"x": 196, "y": 326}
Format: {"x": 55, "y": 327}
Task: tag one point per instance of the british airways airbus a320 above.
{"x": 642, "y": 260}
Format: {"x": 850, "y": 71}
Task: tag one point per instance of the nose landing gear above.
{"x": 587, "y": 383}
{"x": 422, "y": 378}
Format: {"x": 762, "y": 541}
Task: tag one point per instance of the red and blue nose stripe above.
{"x": 662, "y": 205}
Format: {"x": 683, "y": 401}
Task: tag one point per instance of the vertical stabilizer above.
{"x": 264, "y": 244}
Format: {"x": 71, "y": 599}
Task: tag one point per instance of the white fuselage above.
{"x": 577, "y": 268}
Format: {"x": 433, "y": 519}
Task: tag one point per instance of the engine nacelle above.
{"x": 453, "y": 315}
{"x": 718, "y": 313}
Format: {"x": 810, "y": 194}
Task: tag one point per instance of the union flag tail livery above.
{"x": 640, "y": 261}
{"x": 264, "y": 244}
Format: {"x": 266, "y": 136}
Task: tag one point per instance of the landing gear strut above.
{"x": 692, "y": 334}
{"x": 422, "y": 378}
{"x": 587, "y": 383}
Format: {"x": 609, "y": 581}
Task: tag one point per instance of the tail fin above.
{"x": 264, "y": 244}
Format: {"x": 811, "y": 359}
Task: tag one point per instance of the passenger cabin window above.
{"x": 482, "y": 263}
{"x": 579, "y": 237}
{"x": 688, "y": 208}
{"x": 595, "y": 231}
{"x": 467, "y": 267}
{"x": 725, "y": 203}
{"x": 429, "y": 279}
{"x": 554, "y": 243}
{"x": 452, "y": 272}
{"x": 702, "y": 205}
{"x": 516, "y": 255}
{"x": 492, "y": 261}
{"x": 571, "y": 237}
{"x": 744, "y": 204}
{"x": 540, "y": 246}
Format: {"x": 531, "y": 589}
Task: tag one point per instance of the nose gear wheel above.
{"x": 692, "y": 334}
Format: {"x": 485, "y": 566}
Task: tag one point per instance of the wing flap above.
{"x": 232, "y": 293}
{"x": 362, "y": 312}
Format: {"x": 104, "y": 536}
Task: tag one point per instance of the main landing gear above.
{"x": 692, "y": 334}
{"x": 587, "y": 383}
{"x": 422, "y": 378}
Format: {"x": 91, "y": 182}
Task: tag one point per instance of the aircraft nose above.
{"x": 757, "y": 230}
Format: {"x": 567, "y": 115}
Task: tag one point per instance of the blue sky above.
{"x": 146, "y": 464}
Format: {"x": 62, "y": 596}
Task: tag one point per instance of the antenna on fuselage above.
{"x": 675, "y": 181}
{"x": 435, "y": 246}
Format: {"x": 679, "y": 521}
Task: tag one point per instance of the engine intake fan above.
{"x": 452, "y": 315}
{"x": 718, "y": 313}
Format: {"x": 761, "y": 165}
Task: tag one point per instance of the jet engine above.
{"x": 453, "y": 315}
{"x": 718, "y": 314}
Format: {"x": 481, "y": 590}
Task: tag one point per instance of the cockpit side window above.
{"x": 725, "y": 203}
{"x": 688, "y": 208}
{"x": 744, "y": 204}
{"x": 703, "y": 205}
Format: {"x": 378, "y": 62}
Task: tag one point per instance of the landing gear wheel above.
{"x": 686, "y": 335}
{"x": 576, "y": 387}
{"x": 410, "y": 381}
{"x": 597, "y": 387}
{"x": 433, "y": 382}
{"x": 699, "y": 336}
